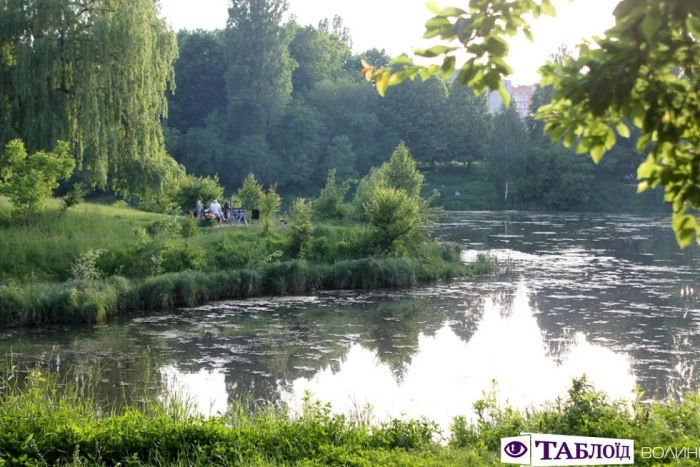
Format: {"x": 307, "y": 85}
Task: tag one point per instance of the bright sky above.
{"x": 398, "y": 25}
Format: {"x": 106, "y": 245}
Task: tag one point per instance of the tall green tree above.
{"x": 352, "y": 109}
{"x": 259, "y": 77}
{"x": 199, "y": 74}
{"x": 507, "y": 149}
{"x": 467, "y": 125}
{"x": 341, "y": 158}
{"x": 413, "y": 110}
{"x": 92, "y": 73}
{"x": 299, "y": 141}
{"x": 321, "y": 55}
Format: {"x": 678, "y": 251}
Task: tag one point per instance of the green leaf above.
{"x": 427, "y": 72}
{"x": 448, "y": 66}
{"x": 637, "y": 114}
{"x": 503, "y": 92}
{"x": 467, "y": 72}
{"x": 451, "y": 11}
{"x": 625, "y": 7}
{"x": 496, "y": 45}
{"x": 646, "y": 168}
{"x": 650, "y": 25}
{"x": 528, "y": 35}
{"x": 643, "y": 141}
{"x": 382, "y": 83}
{"x": 493, "y": 81}
{"x": 569, "y": 139}
{"x": 622, "y": 129}
{"x": 433, "y": 7}
{"x": 685, "y": 227}
{"x": 403, "y": 60}
{"x": 435, "y": 51}
{"x": 610, "y": 139}
{"x": 548, "y": 9}
{"x": 437, "y": 23}
{"x": 597, "y": 153}
{"x": 584, "y": 145}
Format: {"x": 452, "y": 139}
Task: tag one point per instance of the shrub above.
{"x": 85, "y": 267}
{"x": 400, "y": 171}
{"x": 270, "y": 204}
{"x": 29, "y": 180}
{"x": 250, "y": 193}
{"x": 188, "y": 228}
{"x": 329, "y": 203}
{"x": 394, "y": 217}
{"x": 73, "y": 198}
{"x": 300, "y": 228}
{"x": 190, "y": 188}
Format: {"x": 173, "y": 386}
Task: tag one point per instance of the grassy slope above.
{"x": 478, "y": 194}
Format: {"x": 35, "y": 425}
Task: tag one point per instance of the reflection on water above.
{"x": 612, "y": 298}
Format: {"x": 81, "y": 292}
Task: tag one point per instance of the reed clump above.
{"x": 93, "y": 301}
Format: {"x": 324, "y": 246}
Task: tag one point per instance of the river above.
{"x": 611, "y": 296}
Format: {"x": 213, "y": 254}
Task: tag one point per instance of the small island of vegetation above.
{"x": 85, "y": 262}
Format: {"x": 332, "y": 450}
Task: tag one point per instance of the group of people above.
{"x": 223, "y": 215}
{"x": 442, "y": 192}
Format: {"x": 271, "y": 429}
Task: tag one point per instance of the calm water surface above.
{"x": 609, "y": 296}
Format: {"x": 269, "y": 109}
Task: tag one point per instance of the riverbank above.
{"x": 43, "y": 422}
{"x": 97, "y": 261}
{"x": 478, "y": 194}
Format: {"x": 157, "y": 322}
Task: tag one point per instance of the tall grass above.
{"x": 44, "y": 421}
{"x": 94, "y": 301}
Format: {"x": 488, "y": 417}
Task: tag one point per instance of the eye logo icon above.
{"x": 515, "y": 449}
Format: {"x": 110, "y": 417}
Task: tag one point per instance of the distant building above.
{"x": 522, "y": 95}
{"x": 495, "y": 101}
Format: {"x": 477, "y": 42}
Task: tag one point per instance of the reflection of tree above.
{"x": 394, "y": 328}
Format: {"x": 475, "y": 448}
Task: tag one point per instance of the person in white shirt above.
{"x": 215, "y": 209}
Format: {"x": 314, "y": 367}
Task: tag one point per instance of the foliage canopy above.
{"x": 644, "y": 70}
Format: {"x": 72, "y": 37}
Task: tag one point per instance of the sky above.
{"x": 398, "y": 25}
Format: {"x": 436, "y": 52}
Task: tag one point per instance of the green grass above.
{"x": 477, "y": 194}
{"x": 37, "y": 284}
{"x": 43, "y": 422}
{"x": 93, "y": 301}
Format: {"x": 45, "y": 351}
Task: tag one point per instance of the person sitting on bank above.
{"x": 198, "y": 209}
{"x": 215, "y": 208}
{"x": 240, "y": 216}
{"x": 457, "y": 194}
{"x": 227, "y": 209}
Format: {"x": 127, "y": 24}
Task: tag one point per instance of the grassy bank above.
{"x": 79, "y": 301}
{"x": 478, "y": 194}
{"x": 144, "y": 266}
{"x": 42, "y": 423}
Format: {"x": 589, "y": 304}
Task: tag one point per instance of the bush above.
{"x": 29, "y": 180}
{"x": 251, "y": 193}
{"x": 394, "y": 217}
{"x": 329, "y": 203}
{"x": 185, "y": 195}
{"x": 85, "y": 267}
{"x": 300, "y": 227}
{"x": 73, "y": 198}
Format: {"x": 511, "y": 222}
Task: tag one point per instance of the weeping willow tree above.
{"x": 92, "y": 72}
